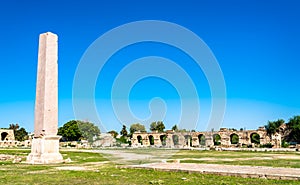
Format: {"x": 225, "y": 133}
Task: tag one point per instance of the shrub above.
{"x": 267, "y": 145}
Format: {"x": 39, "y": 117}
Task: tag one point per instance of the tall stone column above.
{"x": 45, "y": 144}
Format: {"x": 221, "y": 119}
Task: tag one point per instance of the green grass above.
{"x": 19, "y": 152}
{"x": 273, "y": 159}
{"x": 77, "y": 157}
{"x": 228, "y": 154}
{"x": 273, "y": 163}
{"x": 83, "y": 156}
{"x": 107, "y": 173}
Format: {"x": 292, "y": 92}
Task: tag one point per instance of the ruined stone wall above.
{"x": 7, "y": 138}
{"x": 7, "y": 135}
{"x": 193, "y": 139}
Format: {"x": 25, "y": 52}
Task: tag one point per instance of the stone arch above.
{"x": 188, "y": 140}
{"x": 234, "y": 138}
{"x": 217, "y": 139}
{"x": 175, "y": 139}
{"x": 140, "y": 139}
{"x": 3, "y": 136}
{"x": 201, "y": 139}
{"x": 151, "y": 140}
{"x": 163, "y": 139}
{"x": 255, "y": 138}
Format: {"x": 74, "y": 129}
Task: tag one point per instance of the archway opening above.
{"x": 234, "y": 139}
{"x": 255, "y": 138}
{"x": 151, "y": 139}
{"x": 163, "y": 139}
{"x": 140, "y": 140}
{"x": 188, "y": 140}
{"x": 3, "y": 135}
{"x": 201, "y": 139}
{"x": 175, "y": 139}
{"x": 217, "y": 139}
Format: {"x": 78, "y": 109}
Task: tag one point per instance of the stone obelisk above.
{"x": 45, "y": 144}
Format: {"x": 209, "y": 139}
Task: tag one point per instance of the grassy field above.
{"x": 273, "y": 159}
{"x": 94, "y": 168}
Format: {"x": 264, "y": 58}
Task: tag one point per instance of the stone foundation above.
{"x": 45, "y": 150}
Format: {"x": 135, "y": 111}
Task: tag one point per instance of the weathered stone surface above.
{"x": 192, "y": 139}
{"x": 7, "y": 135}
{"x": 45, "y": 144}
{"x": 46, "y": 103}
{"x": 105, "y": 140}
{"x": 45, "y": 150}
{"x": 228, "y": 170}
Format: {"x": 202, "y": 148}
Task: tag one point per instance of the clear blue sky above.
{"x": 255, "y": 42}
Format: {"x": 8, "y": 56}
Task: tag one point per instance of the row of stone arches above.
{"x": 234, "y": 138}
{"x": 163, "y": 138}
{"x": 151, "y": 139}
{"x": 197, "y": 140}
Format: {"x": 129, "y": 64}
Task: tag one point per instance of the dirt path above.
{"x": 125, "y": 156}
{"x": 133, "y": 157}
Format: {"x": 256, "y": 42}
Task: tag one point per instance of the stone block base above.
{"x": 45, "y": 150}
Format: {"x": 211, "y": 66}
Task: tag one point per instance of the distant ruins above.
{"x": 7, "y": 138}
{"x": 223, "y": 138}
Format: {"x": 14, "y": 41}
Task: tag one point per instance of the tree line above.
{"x": 76, "y": 130}
{"x": 290, "y": 131}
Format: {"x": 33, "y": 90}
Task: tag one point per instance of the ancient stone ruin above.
{"x": 7, "y": 138}
{"x": 45, "y": 144}
{"x": 223, "y": 138}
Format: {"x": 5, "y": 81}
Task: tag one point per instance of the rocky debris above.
{"x": 4, "y": 157}
{"x": 68, "y": 160}
{"x": 13, "y": 158}
{"x": 17, "y": 160}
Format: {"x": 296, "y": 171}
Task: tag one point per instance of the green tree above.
{"x": 160, "y": 126}
{"x": 175, "y": 128}
{"x": 137, "y": 127}
{"x": 294, "y": 126}
{"x": 14, "y": 126}
{"x": 88, "y": 130}
{"x": 124, "y": 135}
{"x": 124, "y": 131}
{"x": 70, "y": 131}
{"x": 153, "y": 126}
{"x": 20, "y": 133}
{"x": 76, "y": 130}
{"x": 273, "y": 126}
{"x": 113, "y": 133}
{"x": 157, "y": 126}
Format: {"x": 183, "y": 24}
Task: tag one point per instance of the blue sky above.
{"x": 256, "y": 44}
